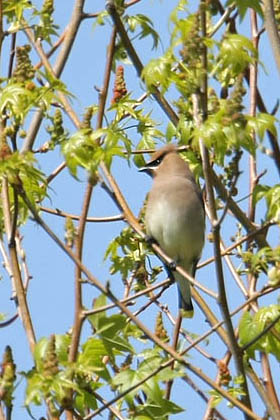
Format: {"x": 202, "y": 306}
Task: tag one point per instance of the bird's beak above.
{"x": 146, "y": 169}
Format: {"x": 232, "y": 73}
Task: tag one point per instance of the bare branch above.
{"x": 58, "y": 212}
{"x": 272, "y": 30}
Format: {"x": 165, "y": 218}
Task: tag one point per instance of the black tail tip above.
{"x": 186, "y": 309}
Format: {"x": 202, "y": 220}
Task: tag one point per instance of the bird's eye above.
{"x": 157, "y": 162}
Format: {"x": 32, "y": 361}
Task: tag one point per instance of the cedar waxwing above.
{"x": 175, "y": 216}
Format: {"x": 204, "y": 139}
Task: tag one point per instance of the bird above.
{"x": 175, "y": 217}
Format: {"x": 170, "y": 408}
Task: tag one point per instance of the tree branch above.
{"x": 66, "y": 47}
{"x": 58, "y": 212}
{"x": 82, "y": 221}
{"x": 272, "y": 30}
{"x": 16, "y": 274}
{"x": 234, "y": 348}
{"x": 165, "y": 283}
{"x": 165, "y": 106}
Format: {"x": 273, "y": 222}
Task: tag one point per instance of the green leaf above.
{"x": 170, "y": 131}
{"x": 259, "y": 192}
{"x": 156, "y": 406}
{"x": 124, "y": 251}
{"x": 82, "y": 150}
{"x": 40, "y": 353}
{"x": 236, "y": 52}
{"x": 95, "y": 318}
{"x": 90, "y": 359}
{"x": 159, "y": 412}
{"x": 110, "y": 326}
{"x": 244, "y": 5}
{"x": 17, "y": 99}
{"x": 169, "y": 407}
{"x": 62, "y": 344}
{"x": 85, "y": 400}
{"x": 139, "y": 160}
{"x": 216, "y": 398}
{"x": 46, "y": 27}
{"x": 247, "y": 331}
{"x": 251, "y": 326}
{"x": 33, "y": 391}
{"x": 158, "y": 71}
{"x": 14, "y": 9}
{"x": 146, "y": 26}
{"x": 125, "y": 380}
{"x": 272, "y": 197}
{"x": 261, "y": 123}
{"x": 20, "y": 168}
{"x": 111, "y": 331}
{"x": 118, "y": 343}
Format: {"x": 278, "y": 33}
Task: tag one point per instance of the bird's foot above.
{"x": 170, "y": 268}
{"x": 150, "y": 240}
{"x": 172, "y": 265}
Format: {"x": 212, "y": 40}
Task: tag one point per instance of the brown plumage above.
{"x": 175, "y": 215}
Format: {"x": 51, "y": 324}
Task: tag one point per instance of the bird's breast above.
{"x": 176, "y": 220}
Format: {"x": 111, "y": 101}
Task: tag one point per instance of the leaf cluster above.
{"x": 197, "y": 72}
{"x": 21, "y": 171}
{"x": 251, "y": 326}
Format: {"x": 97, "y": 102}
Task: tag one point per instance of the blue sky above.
{"x": 51, "y": 291}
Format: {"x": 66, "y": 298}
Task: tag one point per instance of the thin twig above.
{"x": 272, "y": 30}
{"x": 217, "y": 414}
{"x": 58, "y": 212}
{"x": 153, "y": 299}
{"x": 12, "y": 54}
{"x": 253, "y": 105}
{"x": 56, "y": 172}
{"x": 261, "y": 334}
{"x": 210, "y": 407}
{"x": 176, "y": 334}
{"x": 66, "y": 47}
{"x": 271, "y": 409}
{"x": 196, "y": 371}
{"x": 6, "y": 262}
{"x": 271, "y": 397}
{"x": 235, "y": 209}
{"x": 130, "y": 315}
{"x": 237, "y": 354}
{"x": 14, "y": 220}
{"x": 186, "y": 336}
{"x": 224, "y": 18}
{"x": 1, "y": 28}
{"x": 9, "y": 321}
{"x": 14, "y": 265}
{"x": 236, "y": 244}
{"x": 271, "y": 137}
{"x": 165, "y": 106}
{"x": 86, "y": 203}
{"x": 53, "y": 49}
{"x": 165, "y": 283}
{"x": 113, "y": 410}
{"x": 234, "y": 272}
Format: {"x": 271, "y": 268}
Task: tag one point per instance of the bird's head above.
{"x": 166, "y": 161}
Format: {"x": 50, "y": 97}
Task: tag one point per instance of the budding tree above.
{"x": 86, "y": 94}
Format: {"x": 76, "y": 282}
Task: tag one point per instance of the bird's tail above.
{"x": 184, "y": 296}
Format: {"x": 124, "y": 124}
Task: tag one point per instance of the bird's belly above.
{"x": 175, "y": 231}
